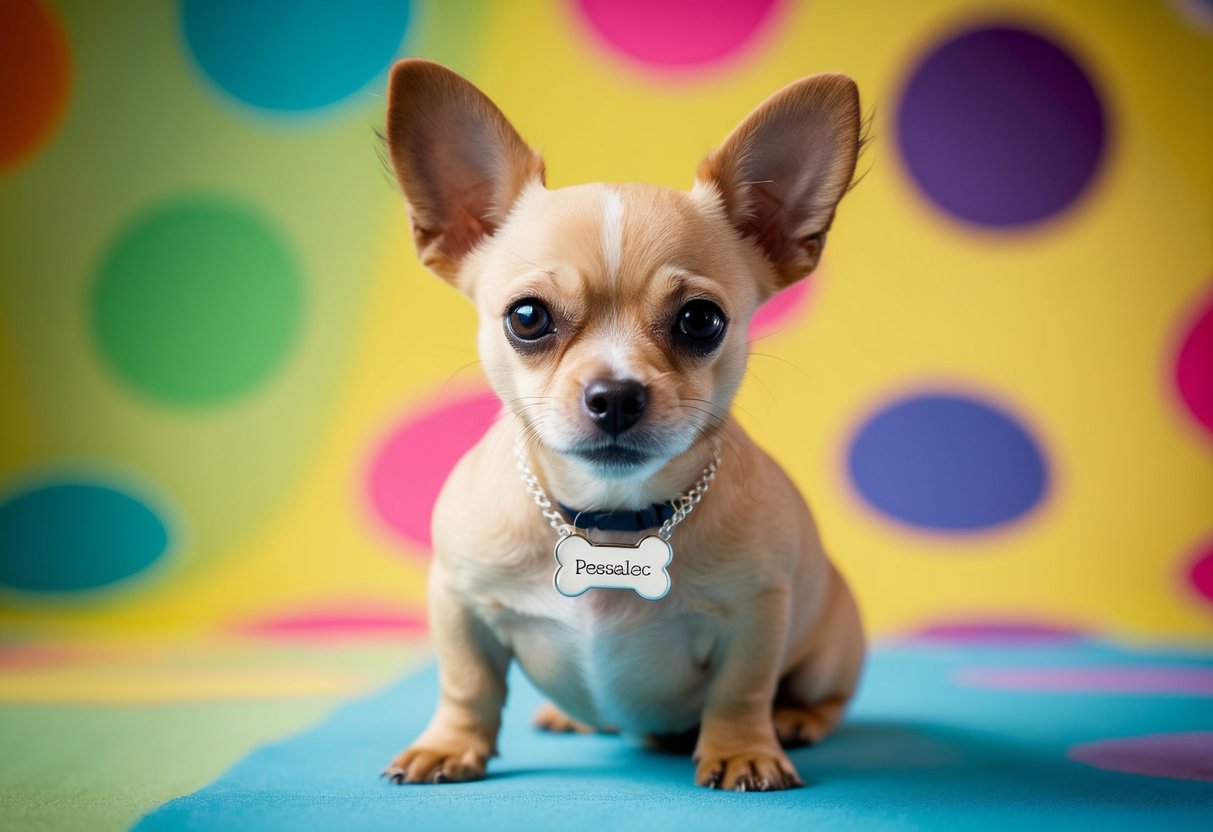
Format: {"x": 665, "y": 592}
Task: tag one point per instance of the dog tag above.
{"x": 641, "y": 567}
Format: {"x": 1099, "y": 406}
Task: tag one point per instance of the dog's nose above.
{"x": 614, "y": 406}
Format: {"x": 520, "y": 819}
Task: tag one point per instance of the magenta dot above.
{"x": 780, "y": 310}
{"x": 1017, "y": 632}
{"x": 412, "y": 463}
{"x": 1201, "y": 571}
{"x": 1185, "y": 756}
{"x": 678, "y": 34}
{"x": 352, "y": 620}
{"x": 1194, "y": 367}
{"x": 1000, "y": 126}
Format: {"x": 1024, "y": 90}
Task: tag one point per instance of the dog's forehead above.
{"x": 617, "y": 237}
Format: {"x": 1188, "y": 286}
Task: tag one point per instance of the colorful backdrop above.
{"x": 230, "y": 393}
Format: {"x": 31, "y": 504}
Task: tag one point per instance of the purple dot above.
{"x": 1185, "y": 756}
{"x": 1159, "y": 680}
{"x": 948, "y": 462}
{"x": 1000, "y": 127}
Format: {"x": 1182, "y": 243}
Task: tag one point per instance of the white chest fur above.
{"x": 609, "y": 657}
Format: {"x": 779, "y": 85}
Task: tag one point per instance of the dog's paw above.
{"x": 419, "y": 764}
{"x": 550, "y": 718}
{"x": 757, "y": 771}
{"x": 799, "y": 726}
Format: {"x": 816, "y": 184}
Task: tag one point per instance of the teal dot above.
{"x": 198, "y": 302}
{"x": 294, "y": 55}
{"x": 74, "y": 536}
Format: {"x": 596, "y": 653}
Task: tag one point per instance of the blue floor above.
{"x": 921, "y": 750}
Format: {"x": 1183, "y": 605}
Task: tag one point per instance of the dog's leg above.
{"x": 813, "y": 695}
{"x": 737, "y": 747}
{"x": 801, "y": 725}
{"x": 462, "y": 734}
{"x": 553, "y": 720}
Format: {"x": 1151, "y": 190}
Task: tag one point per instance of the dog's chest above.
{"x": 609, "y": 657}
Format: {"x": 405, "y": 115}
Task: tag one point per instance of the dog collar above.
{"x": 642, "y": 567}
{"x": 620, "y": 521}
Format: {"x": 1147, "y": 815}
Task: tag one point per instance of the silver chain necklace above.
{"x": 582, "y": 564}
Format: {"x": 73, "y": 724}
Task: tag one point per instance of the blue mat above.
{"x": 923, "y": 748}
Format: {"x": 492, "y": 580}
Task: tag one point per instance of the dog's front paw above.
{"x": 748, "y": 771}
{"x": 424, "y": 764}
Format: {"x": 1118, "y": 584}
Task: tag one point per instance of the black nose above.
{"x": 614, "y": 405}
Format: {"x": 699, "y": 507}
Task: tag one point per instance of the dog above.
{"x": 613, "y": 325}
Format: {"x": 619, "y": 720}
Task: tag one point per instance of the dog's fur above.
{"x": 759, "y": 641}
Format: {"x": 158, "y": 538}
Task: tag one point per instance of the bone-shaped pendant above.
{"x": 641, "y": 567}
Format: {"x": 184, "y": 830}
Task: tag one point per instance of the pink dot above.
{"x": 353, "y": 620}
{"x": 1001, "y": 632}
{"x": 410, "y": 466}
{"x": 1194, "y": 367}
{"x": 1162, "y": 680}
{"x": 1201, "y": 571}
{"x": 1186, "y": 756}
{"x": 678, "y": 34}
{"x": 780, "y": 310}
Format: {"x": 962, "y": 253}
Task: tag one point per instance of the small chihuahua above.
{"x": 613, "y": 324}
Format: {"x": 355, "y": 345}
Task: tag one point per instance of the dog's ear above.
{"x": 460, "y": 163}
{"x": 783, "y": 170}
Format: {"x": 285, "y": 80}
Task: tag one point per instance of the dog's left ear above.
{"x": 460, "y": 163}
{"x": 782, "y": 172}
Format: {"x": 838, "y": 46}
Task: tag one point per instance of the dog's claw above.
{"x": 754, "y": 772}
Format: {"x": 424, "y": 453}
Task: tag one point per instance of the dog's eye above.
{"x": 529, "y": 320}
{"x": 700, "y": 325}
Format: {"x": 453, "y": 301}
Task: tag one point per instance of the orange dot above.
{"x": 34, "y": 77}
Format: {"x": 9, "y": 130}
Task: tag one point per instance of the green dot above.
{"x": 198, "y": 302}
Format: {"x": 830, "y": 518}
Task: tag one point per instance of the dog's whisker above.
{"x": 763, "y": 384}
{"x": 452, "y": 376}
{"x": 794, "y": 366}
{"x": 755, "y": 419}
{"x": 716, "y": 420}
{"x": 723, "y": 412}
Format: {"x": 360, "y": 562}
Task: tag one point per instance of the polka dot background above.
{"x": 998, "y": 392}
{"x": 672, "y": 35}
{"x": 197, "y": 302}
{"x": 73, "y": 536}
{"x": 289, "y": 55}
{"x": 35, "y": 78}
{"x": 1000, "y": 126}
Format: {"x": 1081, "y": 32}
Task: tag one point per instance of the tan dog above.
{"x": 613, "y": 324}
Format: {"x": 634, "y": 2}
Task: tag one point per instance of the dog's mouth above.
{"x": 613, "y": 457}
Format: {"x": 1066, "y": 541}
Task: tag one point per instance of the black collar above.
{"x": 620, "y": 521}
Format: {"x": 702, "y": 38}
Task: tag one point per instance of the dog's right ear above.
{"x": 459, "y": 162}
